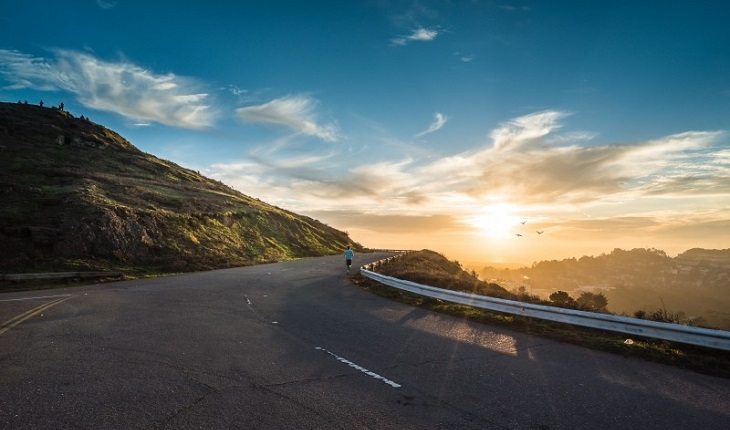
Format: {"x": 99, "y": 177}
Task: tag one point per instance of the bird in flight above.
{"x": 540, "y": 231}
{"x": 518, "y": 235}
{"x": 523, "y": 222}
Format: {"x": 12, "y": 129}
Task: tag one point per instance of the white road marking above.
{"x": 35, "y": 298}
{"x": 360, "y": 368}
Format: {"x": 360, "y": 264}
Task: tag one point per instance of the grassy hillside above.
{"x": 78, "y": 196}
{"x": 431, "y": 268}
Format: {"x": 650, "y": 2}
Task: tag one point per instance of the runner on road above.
{"x": 348, "y": 257}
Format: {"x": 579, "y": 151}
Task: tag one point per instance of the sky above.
{"x": 491, "y": 131}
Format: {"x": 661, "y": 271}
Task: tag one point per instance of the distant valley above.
{"x": 695, "y": 284}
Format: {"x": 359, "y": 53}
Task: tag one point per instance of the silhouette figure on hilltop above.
{"x": 41, "y": 103}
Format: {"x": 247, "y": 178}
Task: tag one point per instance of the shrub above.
{"x": 562, "y": 299}
{"x": 592, "y": 302}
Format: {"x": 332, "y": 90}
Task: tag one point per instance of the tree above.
{"x": 592, "y": 302}
{"x": 562, "y": 299}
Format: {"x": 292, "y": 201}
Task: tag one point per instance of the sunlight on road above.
{"x": 460, "y": 331}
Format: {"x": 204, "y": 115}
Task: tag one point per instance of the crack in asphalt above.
{"x": 188, "y": 407}
{"x": 246, "y": 382}
{"x": 469, "y": 416}
{"x": 308, "y": 380}
{"x": 326, "y": 418}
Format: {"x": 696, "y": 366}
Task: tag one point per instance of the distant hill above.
{"x": 76, "y": 195}
{"x": 696, "y": 282}
{"x": 431, "y": 268}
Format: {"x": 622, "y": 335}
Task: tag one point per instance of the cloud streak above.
{"x": 420, "y": 34}
{"x": 296, "y": 112}
{"x": 527, "y": 160}
{"x": 527, "y": 129}
{"x": 521, "y": 164}
{"x": 120, "y": 87}
{"x": 439, "y": 120}
{"x": 106, "y": 4}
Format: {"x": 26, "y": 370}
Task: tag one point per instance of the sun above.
{"x": 496, "y": 222}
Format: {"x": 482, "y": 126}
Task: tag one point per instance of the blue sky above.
{"x": 604, "y": 124}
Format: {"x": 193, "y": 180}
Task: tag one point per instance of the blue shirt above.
{"x": 349, "y": 254}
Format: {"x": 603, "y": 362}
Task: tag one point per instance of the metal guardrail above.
{"x": 718, "y": 339}
{"x": 399, "y": 251}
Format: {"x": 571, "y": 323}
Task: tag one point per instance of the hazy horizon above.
{"x": 415, "y": 124}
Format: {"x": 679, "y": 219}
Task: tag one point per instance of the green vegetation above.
{"x": 587, "y": 301}
{"x": 430, "y": 268}
{"x": 77, "y": 196}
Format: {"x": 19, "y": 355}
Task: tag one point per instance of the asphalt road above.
{"x": 296, "y": 346}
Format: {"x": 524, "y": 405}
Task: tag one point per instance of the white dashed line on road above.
{"x": 360, "y": 368}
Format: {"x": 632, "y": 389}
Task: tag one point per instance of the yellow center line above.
{"x": 7, "y": 325}
{"x": 34, "y": 298}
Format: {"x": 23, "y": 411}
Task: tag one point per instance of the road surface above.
{"x": 296, "y": 346}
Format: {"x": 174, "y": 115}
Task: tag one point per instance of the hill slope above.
{"x": 431, "y": 268}
{"x": 76, "y": 195}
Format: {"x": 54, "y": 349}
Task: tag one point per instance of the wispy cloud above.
{"x": 297, "y": 112}
{"x": 526, "y": 159}
{"x": 120, "y": 87}
{"x": 526, "y": 129}
{"x": 464, "y": 58}
{"x": 439, "y": 120}
{"x": 236, "y": 91}
{"x": 513, "y": 8}
{"x": 523, "y": 164}
{"x": 420, "y": 34}
{"x": 106, "y": 4}
{"x": 390, "y": 223}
